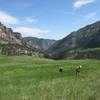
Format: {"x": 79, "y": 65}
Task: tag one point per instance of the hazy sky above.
{"x": 53, "y": 19}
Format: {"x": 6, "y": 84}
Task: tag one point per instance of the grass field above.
{"x": 26, "y": 78}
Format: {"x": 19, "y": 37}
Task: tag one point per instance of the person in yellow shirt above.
{"x": 78, "y": 69}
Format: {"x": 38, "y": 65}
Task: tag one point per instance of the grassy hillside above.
{"x": 88, "y": 53}
{"x": 25, "y": 78}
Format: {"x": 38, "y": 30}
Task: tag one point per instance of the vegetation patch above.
{"x": 14, "y": 71}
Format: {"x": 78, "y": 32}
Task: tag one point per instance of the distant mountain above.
{"x": 81, "y": 44}
{"x": 12, "y": 43}
{"x": 40, "y": 44}
{"x": 87, "y": 37}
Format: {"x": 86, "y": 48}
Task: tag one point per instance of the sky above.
{"x": 51, "y": 19}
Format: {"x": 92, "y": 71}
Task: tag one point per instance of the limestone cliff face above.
{"x": 8, "y": 36}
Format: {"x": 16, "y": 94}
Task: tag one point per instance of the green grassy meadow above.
{"x": 27, "y": 78}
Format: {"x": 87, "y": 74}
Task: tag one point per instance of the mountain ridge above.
{"x": 86, "y": 37}
{"x": 12, "y": 43}
{"x": 75, "y": 45}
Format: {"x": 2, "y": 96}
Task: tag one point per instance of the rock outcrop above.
{"x": 8, "y": 36}
{"x": 11, "y": 43}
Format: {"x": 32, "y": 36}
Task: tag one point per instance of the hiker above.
{"x": 61, "y": 70}
{"x": 78, "y": 69}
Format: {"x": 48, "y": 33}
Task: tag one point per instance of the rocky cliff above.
{"x": 11, "y": 43}
{"x": 8, "y": 36}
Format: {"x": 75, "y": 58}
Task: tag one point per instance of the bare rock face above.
{"x": 8, "y": 36}
{"x": 11, "y": 43}
{"x": 40, "y": 44}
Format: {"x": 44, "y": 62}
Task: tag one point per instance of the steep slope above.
{"x": 87, "y": 37}
{"x": 8, "y": 36}
{"x": 11, "y": 43}
{"x": 41, "y": 44}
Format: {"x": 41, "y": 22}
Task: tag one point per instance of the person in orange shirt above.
{"x": 78, "y": 69}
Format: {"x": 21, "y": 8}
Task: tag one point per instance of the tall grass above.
{"x": 26, "y": 78}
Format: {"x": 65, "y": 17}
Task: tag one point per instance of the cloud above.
{"x": 29, "y": 31}
{"x": 31, "y": 20}
{"x": 91, "y": 15}
{"x": 7, "y": 19}
{"x": 80, "y": 3}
